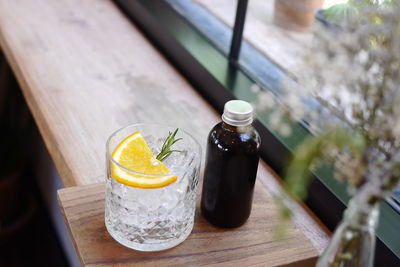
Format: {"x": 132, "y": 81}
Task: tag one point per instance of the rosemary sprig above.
{"x": 168, "y": 143}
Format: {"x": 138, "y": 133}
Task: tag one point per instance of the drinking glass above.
{"x": 160, "y": 218}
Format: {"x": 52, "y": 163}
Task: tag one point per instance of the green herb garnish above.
{"x": 168, "y": 143}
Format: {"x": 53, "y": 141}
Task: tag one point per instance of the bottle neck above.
{"x": 360, "y": 214}
{"x": 238, "y": 129}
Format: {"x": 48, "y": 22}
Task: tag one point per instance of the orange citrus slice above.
{"x": 134, "y": 154}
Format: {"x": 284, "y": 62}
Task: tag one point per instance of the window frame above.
{"x": 209, "y": 71}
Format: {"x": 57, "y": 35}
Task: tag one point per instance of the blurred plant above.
{"x": 338, "y": 12}
{"x": 341, "y": 11}
{"x": 348, "y": 95}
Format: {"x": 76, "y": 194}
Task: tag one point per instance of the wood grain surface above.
{"x": 283, "y": 47}
{"x": 86, "y": 71}
{"x": 253, "y": 244}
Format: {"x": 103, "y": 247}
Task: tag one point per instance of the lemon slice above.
{"x": 134, "y": 154}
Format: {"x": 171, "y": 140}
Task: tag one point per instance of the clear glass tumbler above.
{"x": 160, "y": 218}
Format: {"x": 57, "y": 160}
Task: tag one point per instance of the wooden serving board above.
{"x": 250, "y": 245}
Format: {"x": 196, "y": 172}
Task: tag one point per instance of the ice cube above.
{"x": 150, "y": 198}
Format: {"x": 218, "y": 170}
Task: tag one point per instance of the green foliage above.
{"x": 168, "y": 143}
{"x": 338, "y": 12}
{"x": 284, "y": 213}
{"x": 298, "y": 175}
{"x": 310, "y": 152}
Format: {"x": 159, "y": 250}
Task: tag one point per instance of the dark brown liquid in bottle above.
{"x": 229, "y": 175}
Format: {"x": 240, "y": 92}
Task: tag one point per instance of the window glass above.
{"x": 274, "y": 36}
{"x": 282, "y": 46}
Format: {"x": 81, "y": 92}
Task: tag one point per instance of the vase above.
{"x": 353, "y": 242}
{"x": 296, "y": 15}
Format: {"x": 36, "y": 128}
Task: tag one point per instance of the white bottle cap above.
{"x": 238, "y": 113}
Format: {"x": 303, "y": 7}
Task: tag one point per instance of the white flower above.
{"x": 285, "y": 130}
{"x": 265, "y": 101}
{"x": 351, "y": 79}
{"x": 255, "y": 88}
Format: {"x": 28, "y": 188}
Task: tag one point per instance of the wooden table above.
{"x": 85, "y": 71}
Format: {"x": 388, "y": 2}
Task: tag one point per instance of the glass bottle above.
{"x": 353, "y": 242}
{"x": 231, "y": 167}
